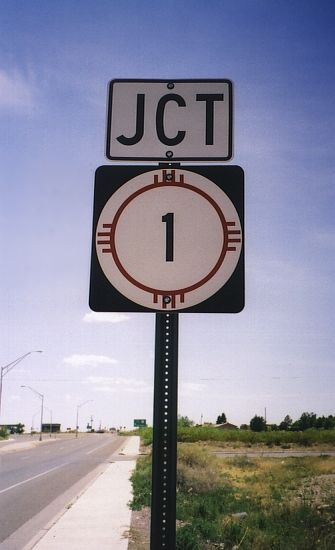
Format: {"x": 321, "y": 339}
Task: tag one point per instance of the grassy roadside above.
{"x": 256, "y": 504}
{"x": 242, "y": 438}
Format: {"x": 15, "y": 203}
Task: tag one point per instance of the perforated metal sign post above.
{"x": 164, "y": 451}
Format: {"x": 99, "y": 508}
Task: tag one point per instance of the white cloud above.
{"x": 15, "y": 91}
{"x": 78, "y": 360}
{"x": 101, "y": 317}
{"x": 112, "y": 384}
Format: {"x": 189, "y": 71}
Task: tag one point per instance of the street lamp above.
{"x": 5, "y": 369}
{"x": 41, "y": 396}
{"x": 32, "y": 421}
{"x": 50, "y": 411}
{"x": 77, "y": 417}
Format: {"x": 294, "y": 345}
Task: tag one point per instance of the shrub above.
{"x": 188, "y": 538}
{"x": 197, "y": 471}
{"x": 141, "y": 480}
{"x": 3, "y": 433}
{"x": 146, "y": 435}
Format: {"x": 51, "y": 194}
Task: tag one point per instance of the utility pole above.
{"x": 77, "y": 417}
{"x": 41, "y": 396}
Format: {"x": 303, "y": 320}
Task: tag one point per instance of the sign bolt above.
{"x": 169, "y": 154}
{"x": 170, "y": 85}
{"x": 166, "y": 299}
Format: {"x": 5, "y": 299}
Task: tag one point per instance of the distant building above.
{"x": 53, "y": 428}
{"x": 226, "y": 426}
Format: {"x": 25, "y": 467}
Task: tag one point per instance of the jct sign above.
{"x": 170, "y": 120}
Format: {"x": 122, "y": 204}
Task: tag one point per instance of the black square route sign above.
{"x": 168, "y": 239}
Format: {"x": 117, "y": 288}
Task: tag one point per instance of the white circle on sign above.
{"x": 168, "y": 239}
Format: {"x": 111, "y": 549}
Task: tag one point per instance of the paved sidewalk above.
{"x": 100, "y": 517}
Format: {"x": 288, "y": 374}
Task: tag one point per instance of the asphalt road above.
{"x": 33, "y": 478}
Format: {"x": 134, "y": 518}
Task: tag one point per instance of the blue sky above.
{"x": 56, "y": 60}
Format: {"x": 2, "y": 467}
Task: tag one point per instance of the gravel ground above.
{"x": 139, "y": 537}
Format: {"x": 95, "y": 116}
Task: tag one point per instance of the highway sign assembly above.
{"x": 168, "y": 239}
{"x": 169, "y": 120}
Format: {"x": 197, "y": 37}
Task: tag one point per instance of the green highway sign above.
{"x": 140, "y": 423}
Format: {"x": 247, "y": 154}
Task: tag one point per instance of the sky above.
{"x": 56, "y": 60}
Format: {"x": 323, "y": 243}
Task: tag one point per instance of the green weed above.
{"x": 141, "y": 481}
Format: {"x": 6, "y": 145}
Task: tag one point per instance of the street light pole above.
{"x": 7, "y": 368}
{"x": 41, "y": 396}
{"x": 50, "y": 411}
{"x": 32, "y": 421}
{"x": 77, "y": 417}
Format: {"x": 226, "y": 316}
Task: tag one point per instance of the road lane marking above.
{"x": 97, "y": 449}
{"x": 32, "y": 478}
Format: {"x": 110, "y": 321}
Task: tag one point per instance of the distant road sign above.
{"x": 140, "y": 423}
{"x": 169, "y": 120}
{"x": 168, "y": 239}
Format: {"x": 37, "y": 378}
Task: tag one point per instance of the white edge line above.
{"x": 31, "y": 478}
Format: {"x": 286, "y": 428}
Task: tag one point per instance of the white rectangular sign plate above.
{"x": 169, "y": 120}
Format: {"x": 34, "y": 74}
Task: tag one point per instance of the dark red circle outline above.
{"x": 186, "y": 289}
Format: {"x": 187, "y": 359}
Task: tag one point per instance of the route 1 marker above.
{"x": 168, "y": 239}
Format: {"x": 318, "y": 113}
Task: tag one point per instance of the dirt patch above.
{"x": 139, "y": 535}
{"x": 318, "y": 491}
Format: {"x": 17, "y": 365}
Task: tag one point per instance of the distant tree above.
{"x": 329, "y": 422}
{"x": 184, "y": 422}
{"x": 17, "y": 428}
{"x": 295, "y": 427}
{"x": 274, "y": 427}
{"x": 325, "y": 422}
{"x": 221, "y": 419}
{"x": 320, "y": 422}
{"x": 244, "y": 427}
{"x": 307, "y": 420}
{"x": 286, "y": 423}
{"x": 258, "y": 424}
